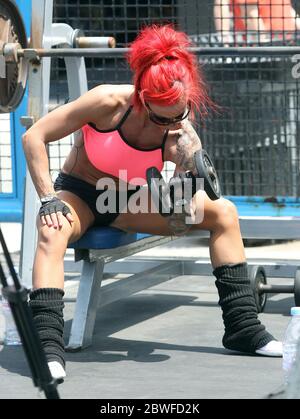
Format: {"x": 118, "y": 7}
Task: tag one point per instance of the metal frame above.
{"x": 265, "y": 227}
{"x": 91, "y": 295}
{"x": 44, "y": 34}
{"x": 147, "y": 272}
{"x": 196, "y": 266}
{"x": 276, "y": 51}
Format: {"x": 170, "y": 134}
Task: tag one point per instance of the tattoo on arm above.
{"x": 188, "y": 142}
{"x": 177, "y": 224}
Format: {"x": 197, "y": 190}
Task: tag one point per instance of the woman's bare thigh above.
{"x": 81, "y": 213}
{"x": 153, "y": 223}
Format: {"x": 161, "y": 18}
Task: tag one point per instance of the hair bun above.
{"x": 170, "y": 57}
{"x": 155, "y": 43}
{"x": 164, "y": 70}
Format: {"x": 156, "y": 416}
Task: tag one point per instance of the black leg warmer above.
{"x": 47, "y": 309}
{"x": 243, "y": 330}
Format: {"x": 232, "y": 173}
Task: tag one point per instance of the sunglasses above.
{"x": 161, "y": 120}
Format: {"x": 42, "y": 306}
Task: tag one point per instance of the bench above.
{"x": 102, "y": 245}
{"x": 97, "y": 247}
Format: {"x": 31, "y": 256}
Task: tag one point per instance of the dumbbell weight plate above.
{"x": 297, "y": 288}
{"x": 160, "y": 192}
{"x": 257, "y": 277}
{"x": 207, "y": 171}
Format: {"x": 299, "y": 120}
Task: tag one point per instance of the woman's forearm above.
{"x": 38, "y": 164}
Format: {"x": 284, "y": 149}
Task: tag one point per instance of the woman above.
{"x": 131, "y": 127}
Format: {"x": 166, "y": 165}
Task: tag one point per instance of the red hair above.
{"x": 165, "y": 71}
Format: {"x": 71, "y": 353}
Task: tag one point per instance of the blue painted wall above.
{"x": 11, "y": 204}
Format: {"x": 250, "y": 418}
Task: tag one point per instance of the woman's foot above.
{"x": 243, "y": 330}
{"x": 273, "y": 348}
{"x": 47, "y": 310}
{"x": 57, "y": 370}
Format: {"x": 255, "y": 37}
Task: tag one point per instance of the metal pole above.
{"x": 119, "y": 52}
{"x": 38, "y": 99}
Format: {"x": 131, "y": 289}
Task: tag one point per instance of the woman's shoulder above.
{"x": 110, "y": 102}
{"x": 112, "y": 95}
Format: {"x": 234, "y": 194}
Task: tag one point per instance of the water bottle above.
{"x": 11, "y": 335}
{"x": 290, "y": 343}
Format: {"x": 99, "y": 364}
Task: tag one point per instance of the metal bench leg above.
{"x": 86, "y": 305}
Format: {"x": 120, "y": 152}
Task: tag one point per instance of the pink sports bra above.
{"x": 110, "y": 152}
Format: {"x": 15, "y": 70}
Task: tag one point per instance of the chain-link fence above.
{"x": 253, "y": 138}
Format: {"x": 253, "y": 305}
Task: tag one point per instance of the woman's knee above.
{"x": 216, "y": 215}
{"x": 226, "y": 213}
{"x": 52, "y": 239}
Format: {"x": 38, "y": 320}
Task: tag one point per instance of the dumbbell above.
{"x": 261, "y": 288}
{"x": 165, "y": 194}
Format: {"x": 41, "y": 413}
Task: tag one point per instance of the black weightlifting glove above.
{"x": 53, "y": 206}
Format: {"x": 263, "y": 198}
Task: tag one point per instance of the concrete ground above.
{"x": 164, "y": 342}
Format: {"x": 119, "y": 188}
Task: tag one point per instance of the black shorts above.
{"x": 89, "y": 194}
